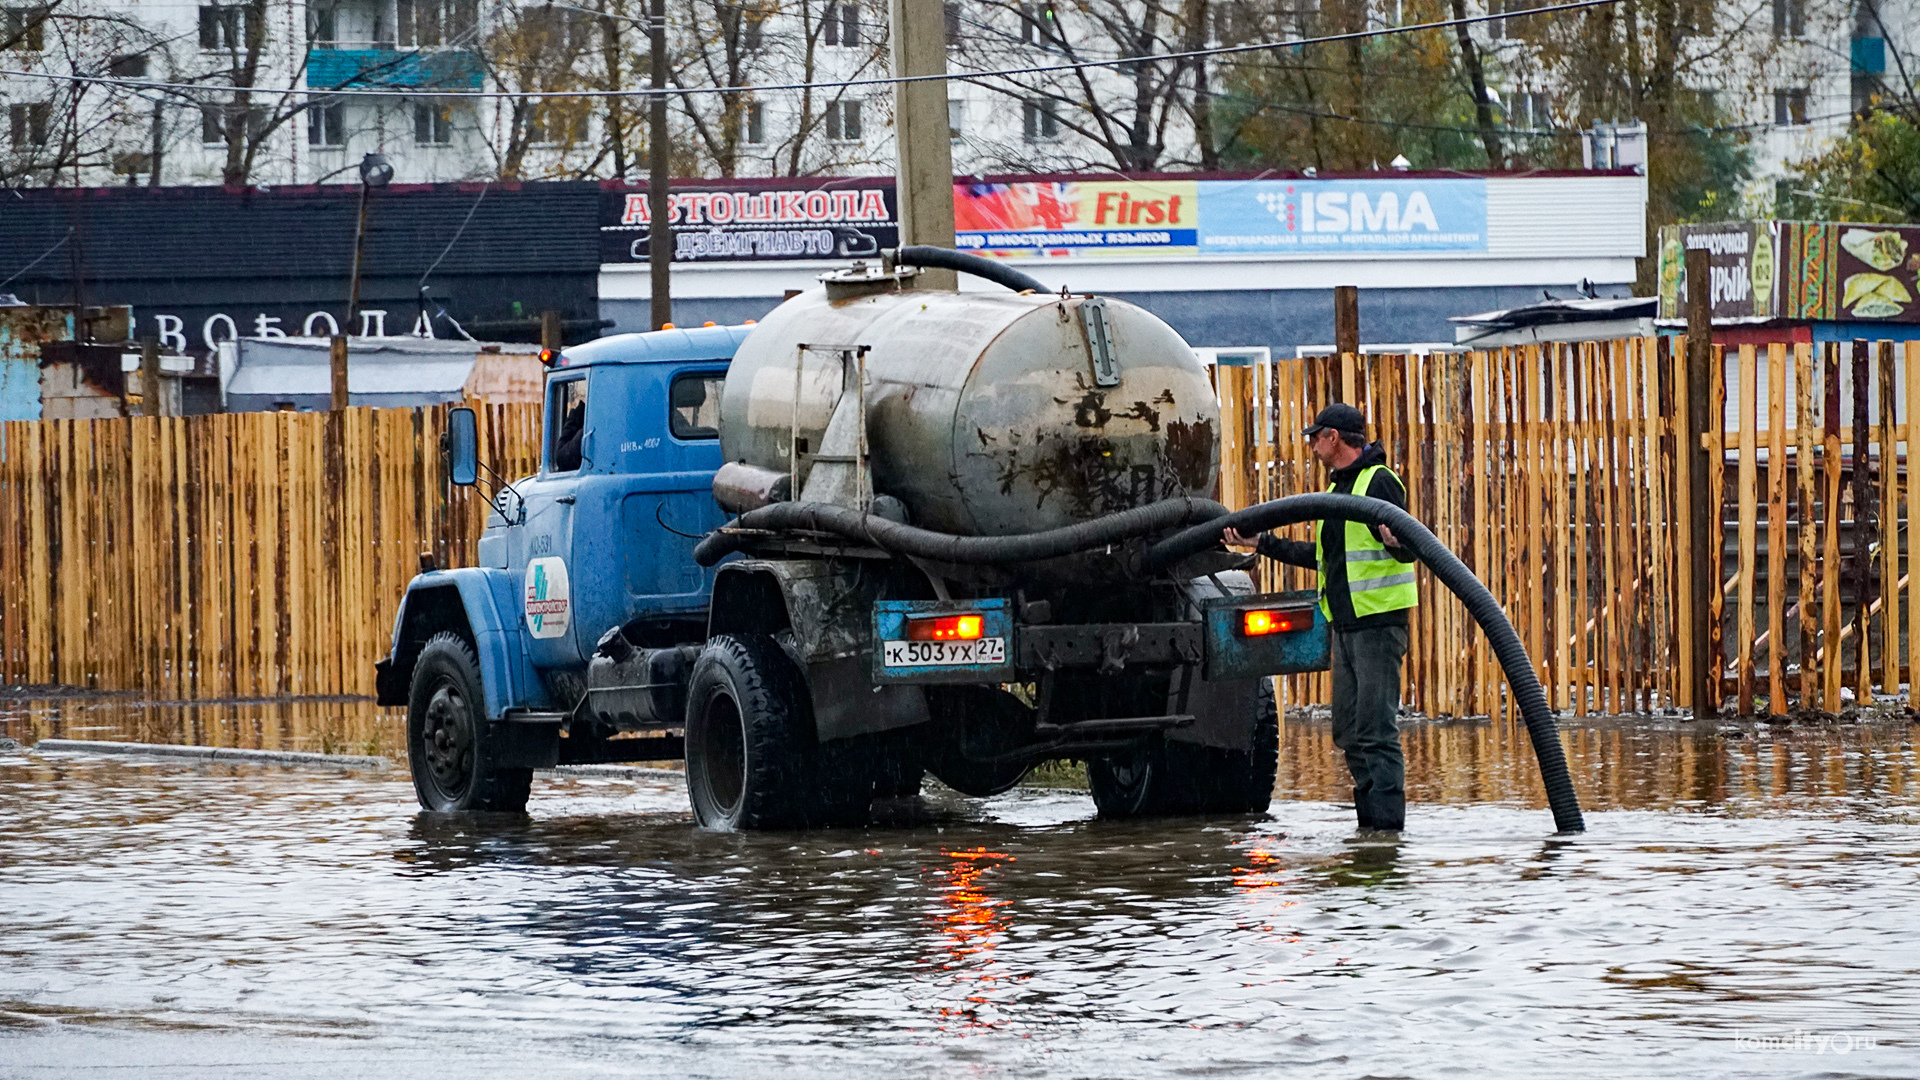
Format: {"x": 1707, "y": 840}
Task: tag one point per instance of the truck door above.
{"x": 661, "y": 520}
{"x": 547, "y": 594}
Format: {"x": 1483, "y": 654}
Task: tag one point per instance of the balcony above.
{"x": 435, "y": 69}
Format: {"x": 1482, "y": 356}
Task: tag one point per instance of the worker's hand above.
{"x": 1387, "y": 537}
{"x": 1234, "y": 540}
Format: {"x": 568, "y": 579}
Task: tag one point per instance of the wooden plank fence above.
{"x": 1556, "y": 473}
{"x": 240, "y": 555}
{"x": 264, "y": 554}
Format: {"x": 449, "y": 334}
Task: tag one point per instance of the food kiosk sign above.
{"x": 1831, "y": 271}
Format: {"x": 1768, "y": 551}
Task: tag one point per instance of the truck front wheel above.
{"x": 753, "y": 758}
{"x": 447, "y": 746}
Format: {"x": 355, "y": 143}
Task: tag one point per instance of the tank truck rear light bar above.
{"x": 1260, "y": 623}
{"x": 946, "y": 628}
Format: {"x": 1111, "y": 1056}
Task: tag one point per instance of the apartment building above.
{"x": 296, "y": 91}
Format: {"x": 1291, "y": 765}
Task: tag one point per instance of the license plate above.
{"x": 980, "y": 651}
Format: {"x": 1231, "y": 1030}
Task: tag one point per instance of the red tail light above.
{"x": 548, "y": 357}
{"x": 946, "y": 628}
{"x": 1262, "y": 623}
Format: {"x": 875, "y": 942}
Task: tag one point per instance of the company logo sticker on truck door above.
{"x": 549, "y": 601}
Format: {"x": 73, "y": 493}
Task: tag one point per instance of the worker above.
{"x": 1366, "y": 589}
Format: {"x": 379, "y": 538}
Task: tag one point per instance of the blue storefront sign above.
{"x": 1342, "y": 216}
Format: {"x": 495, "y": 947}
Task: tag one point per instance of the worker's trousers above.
{"x": 1366, "y": 699}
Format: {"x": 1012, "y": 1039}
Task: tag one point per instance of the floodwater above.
{"x": 1743, "y": 904}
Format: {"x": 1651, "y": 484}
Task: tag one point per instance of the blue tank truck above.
{"x": 889, "y": 531}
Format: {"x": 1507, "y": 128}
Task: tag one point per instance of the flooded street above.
{"x": 1743, "y": 904}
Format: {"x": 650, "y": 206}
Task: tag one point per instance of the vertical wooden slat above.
{"x": 1679, "y": 526}
{"x": 1889, "y": 557}
{"x": 1777, "y": 530}
{"x": 1864, "y": 511}
{"x": 1831, "y": 582}
{"x": 1804, "y": 427}
{"x": 1747, "y": 502}
{"x": 1911, "y": 359}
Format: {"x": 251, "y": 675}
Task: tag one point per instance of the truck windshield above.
{"x": 695, "y": 400}
{"x": 567, "y": 419}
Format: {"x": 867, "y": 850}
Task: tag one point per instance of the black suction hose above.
{"x": 1452, "y": 573}
{"x": 960, "y": 261}
{"x": 945, "y": 547}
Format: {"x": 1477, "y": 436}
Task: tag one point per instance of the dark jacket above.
{"x": 1385, "y": 486}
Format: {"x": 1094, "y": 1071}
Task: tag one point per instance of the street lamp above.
{"x": 375, "y": 172}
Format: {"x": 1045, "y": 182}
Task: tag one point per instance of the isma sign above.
{"x": 1340, "y": 216}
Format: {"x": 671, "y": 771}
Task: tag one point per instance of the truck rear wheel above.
{"x": 1162, "y": 777}
{"x": 753, "y": 758}
{"x": 448, "y": 750}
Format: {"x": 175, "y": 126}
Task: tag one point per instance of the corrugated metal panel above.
{"x": 1566, "y": 216}
{"x": 119, "y": 234}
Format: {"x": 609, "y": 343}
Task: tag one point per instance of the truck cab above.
{"x": 601, "y": 537}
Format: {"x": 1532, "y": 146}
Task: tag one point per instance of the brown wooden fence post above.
{"x": 1703, "y": 531}
{"x": 1863, "y": 526}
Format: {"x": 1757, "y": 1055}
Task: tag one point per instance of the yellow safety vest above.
{"x": 1376, "y": 580}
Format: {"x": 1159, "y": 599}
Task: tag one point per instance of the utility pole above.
{"x": 660, "y": 229}
{"x": 924, "y": 177}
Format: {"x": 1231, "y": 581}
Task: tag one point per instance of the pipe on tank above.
{"x": 945, "y": 547}
{"x": 979, "y": 266}
{"x": 1295, "y": 509}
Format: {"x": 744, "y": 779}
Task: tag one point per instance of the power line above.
{"x": 1002, "y": 73}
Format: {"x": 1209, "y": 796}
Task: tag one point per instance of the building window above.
{"x": 556, "y": 123}
{"x": 323, "y": 27}
{"x": 1040, "y": 122}
{"x": 843, "y": 121}
{"x": 756, "y": 125}
{"x": 1515, "y": 26}
{"x": 953, "y": 24}
{"x": 1789, "y": 18}
{"x": 956, "y": 119}
{"x": 23, "y": 29}
{"x": 1236, "y": 22}
{"x": 426, "y": 24}
{"x": 747, "y": 22}
{"x": 1529, "y": 110}
{"x": 1790, "y": 107}
{"x": 432, "y": 124}
{"x": 327, "y": 125}
{"x": 841, "y": 25}
{"x": 28, "y": 122}
{"x": 128, "y": 67}
{"x": 225, "y": 29}
{"x": 213, "y": 123}
{"x": 1039, "y": 27}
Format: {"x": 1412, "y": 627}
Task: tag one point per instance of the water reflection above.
{"x": 602, "y": 934}
{"x": 1624, "y": 763}
{"x": 310, "y": 725}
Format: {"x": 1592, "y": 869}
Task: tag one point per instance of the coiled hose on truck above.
{"x": 1452, "y": 573}
{"x": 1206, "y": 520}
{"x": 893, "y": 536}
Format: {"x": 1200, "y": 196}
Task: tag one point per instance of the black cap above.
{"x": 1339, "y": 417}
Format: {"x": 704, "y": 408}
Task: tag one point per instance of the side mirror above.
{"x": 462, "y": 446}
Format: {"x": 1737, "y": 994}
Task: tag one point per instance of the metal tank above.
{"x": 987, "y": 414}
